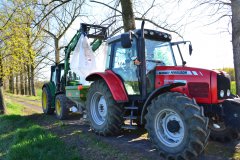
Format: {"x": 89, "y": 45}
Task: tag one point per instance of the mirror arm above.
{"x": 183, "y": 62}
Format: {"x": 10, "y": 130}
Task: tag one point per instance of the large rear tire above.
{"x": 176, "y": 126}
{"x": 104, "y": 114}
{"x": 46, "y": 101}
{"x": 61, "y": 107}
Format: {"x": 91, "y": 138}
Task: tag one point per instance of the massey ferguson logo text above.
{"x": 176, "y": 72}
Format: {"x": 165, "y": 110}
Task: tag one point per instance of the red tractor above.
{"x": 144, "y": 85}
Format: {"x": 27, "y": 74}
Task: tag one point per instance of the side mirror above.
{"x": 190, "y": 49}
{"x": 126, "y": 40}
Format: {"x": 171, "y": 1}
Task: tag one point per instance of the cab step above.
{"x": 131, "y": 108}
{"x": 129, "y": 127}
{"x": 130, "y": 117}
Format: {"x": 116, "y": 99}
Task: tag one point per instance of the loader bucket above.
{"x": 231, "y": 109}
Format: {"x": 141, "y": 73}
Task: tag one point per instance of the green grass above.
{"x": 21, "y": 139}
{"x": 13, "y": 108}
{"x": 233, "y": 87}
{"x": 39, "y": 92}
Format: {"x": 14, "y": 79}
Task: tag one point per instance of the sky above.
{"x": 212, "y": 49}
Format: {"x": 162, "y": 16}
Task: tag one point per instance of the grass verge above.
{"x": 21, "y": 139}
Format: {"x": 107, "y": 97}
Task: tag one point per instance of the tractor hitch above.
{"x": 231, "y": 108}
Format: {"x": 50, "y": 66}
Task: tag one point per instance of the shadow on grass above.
{"x": 20, "y": 139}
{"x": 42, "y": 136}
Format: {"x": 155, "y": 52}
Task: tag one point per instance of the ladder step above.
{"x": 130, "y": 117}
{"x": 129, "y": 127}
{"x": 130, "y": 107}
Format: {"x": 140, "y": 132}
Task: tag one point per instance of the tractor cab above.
{"x": 134, "y": 56}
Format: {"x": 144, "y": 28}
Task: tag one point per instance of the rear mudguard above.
{"x": 157, "y": 92}
{"x": 114, "y": 84}
{"x": 231, "y": 110}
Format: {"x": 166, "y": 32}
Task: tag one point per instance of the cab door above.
{"x": 123, "y": 66}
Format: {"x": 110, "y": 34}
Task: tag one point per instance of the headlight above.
{"x": 228, "y": 92}
{"x": 222, "y": 93}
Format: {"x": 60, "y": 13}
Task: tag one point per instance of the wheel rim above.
{"x": 169, "y": 128}
{"x": 58, "y": 107}
{"x": 44, "y": 100}
{"x": 98, "y": 108}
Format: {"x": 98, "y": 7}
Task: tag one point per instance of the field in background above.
{"x": 233, "y": 87}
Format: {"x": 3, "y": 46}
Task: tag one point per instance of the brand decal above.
{"x": 176, "y": 72}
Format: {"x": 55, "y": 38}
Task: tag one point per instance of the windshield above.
{"x": 159, "y": 53}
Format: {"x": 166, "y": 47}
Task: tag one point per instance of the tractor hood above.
{"x": 201, "y": 84}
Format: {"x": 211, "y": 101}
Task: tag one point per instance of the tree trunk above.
{"x": 236, "y": 40}
{"x": 29, "y": 82}
{"x": 21, "y": 83}
{"x": 57, "y": 52}
{"x": 32, "y": 81}
{"x": 2, "y": 104}
{"x": 25, "y": 81}
{"x": 30, "y": 66}
{"x": 16, "y": 85}
{"x": 11, "y": 82}
{"x": 127, "y": 15}
{"x": 4, "y": 84}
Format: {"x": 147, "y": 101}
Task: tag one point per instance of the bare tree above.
{"x": 224, "y": 11}
{"x": 236, "y": 40}
{"x": 124, "y": 14}
{"x": 128, "y": 15}
{"x": 57, "y": 18}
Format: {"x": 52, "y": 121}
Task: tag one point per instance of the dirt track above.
{"x": 129, "y": 145}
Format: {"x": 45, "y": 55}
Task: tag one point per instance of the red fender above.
{"x": 114, "y": 84}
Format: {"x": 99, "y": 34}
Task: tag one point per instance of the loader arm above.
{"x": 97, "y": 32}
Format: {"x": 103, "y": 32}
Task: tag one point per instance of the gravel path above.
{"x": 29, "y": 104}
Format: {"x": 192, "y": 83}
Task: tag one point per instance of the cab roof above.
{"x": 148, "y": 34}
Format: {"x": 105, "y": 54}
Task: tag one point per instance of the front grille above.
{"x": 223, "y": 83}
{"x": 198, "y": 90}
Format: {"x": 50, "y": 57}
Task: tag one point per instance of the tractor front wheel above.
{"x": 46, "y": 101}
{"x": 104, "y": 114}
{"x": 177, "y": 127}
{"x": 61, "y": 107}
{"x": 221, "y": 132}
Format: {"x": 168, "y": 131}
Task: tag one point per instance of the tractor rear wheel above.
{"x": 104, "y": 114}
{"x": 177, "y": 127}
{"x": 61, "y": 107}
{"x": 46, "y": 101}
{"x": 220, "y": 132}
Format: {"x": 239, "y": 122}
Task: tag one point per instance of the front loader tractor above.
{"x": 146, "y": 83}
